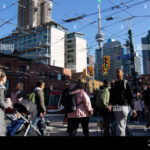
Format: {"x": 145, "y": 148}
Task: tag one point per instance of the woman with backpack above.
{"x": 83, "y": 110}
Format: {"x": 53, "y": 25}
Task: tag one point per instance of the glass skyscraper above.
{"x": 146, "y": 53}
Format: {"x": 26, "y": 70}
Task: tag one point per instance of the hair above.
{"x": 18, "y": 87}
{"x": 106, "y": 83}
{"x": 80, "y": 84}
{"x": 119, "y": 69}
{"x": 2, "y": 74}
{"x": 39, "y": 83}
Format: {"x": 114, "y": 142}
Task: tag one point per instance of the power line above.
{"x": 8, "y": 7}
{"x": 120, "y": 8}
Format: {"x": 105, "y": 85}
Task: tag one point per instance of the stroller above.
{"x": 25, "y": 112}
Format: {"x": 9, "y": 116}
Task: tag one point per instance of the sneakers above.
{"x": 65, "y": 125}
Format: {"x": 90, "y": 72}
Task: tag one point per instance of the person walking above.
{"x": 102, "y": 102}
{"x": 121, "y": 98}
{"x": 138, "y": 109}
{"x": 83, "y": 111}
{"x": 16, "y": 94}
{"x": 3, "y": 79}
{"x": 146, "y": 97}
{"x": 143, "y": 109}
{"x": 63, "y": 102}
{"x": 39, "y": 101}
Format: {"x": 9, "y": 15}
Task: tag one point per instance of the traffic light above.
{"x": 107, "y": 62}
{"x": 104, "y": 70}
{"x": 91, "y": 71}
{"x": 84, "y": 74}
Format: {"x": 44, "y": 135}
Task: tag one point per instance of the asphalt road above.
{"x": 56, "y": 127}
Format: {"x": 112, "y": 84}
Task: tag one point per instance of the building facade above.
{"x": 90, "y": 60}
{"x": 138, "y": 63}
{"x": 98, "y": 64}
{"x": 113, "y": 49}
{"x": 44, "y": 44}
{"x": 33, "y": 13}
{"x": 146, "y": 53}
{"x": 75, "y": 52}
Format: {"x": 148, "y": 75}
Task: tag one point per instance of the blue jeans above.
{"x": 40, "y": 123}
{"x": 14, "y": 126}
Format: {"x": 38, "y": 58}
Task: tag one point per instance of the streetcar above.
{"x": 54, "y": 105}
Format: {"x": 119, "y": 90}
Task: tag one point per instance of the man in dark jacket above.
{"x": 121, "y": 98}
{"x": 63, "y": 101}
{"x": 39, "y": 101}
{"x": 146, "y": 97}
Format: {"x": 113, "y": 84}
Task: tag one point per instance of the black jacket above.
{"x": 146, "y": 97}
{"x": 121, "y": 95}
{"x": 63, "y": 97}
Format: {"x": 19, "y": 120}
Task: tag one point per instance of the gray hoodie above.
{"x": 2, "y": 113}
{"x": 2, "y": 96}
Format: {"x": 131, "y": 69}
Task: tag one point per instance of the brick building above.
{"x": 29, "y": 72}
{"x": 146, "y": 78}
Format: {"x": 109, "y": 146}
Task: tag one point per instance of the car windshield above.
{"x": 53, "y": 100}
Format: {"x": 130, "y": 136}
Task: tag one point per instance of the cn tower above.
{"x": 100, "y": 35}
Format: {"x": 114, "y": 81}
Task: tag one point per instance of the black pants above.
{"x": 74, "y": 124}
{"x": 107, "y": 119}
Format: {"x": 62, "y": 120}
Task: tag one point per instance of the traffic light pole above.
{"x": 133, "y": 73}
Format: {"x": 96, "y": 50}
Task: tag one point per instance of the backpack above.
{"x": 31, "y": 96}
{"x": 71, "y": 104}
{"x": 101, "y": 97}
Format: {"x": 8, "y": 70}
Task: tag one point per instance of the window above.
{"x": 46, "y": 74}
{"x": 7, "y": 67}
{"x": 70, "y": 61}
{"x": 70, "y": 36}
{"x": 70, "y": 41}
{"x": 70, "y": 51}
{"x": 41, "y": 74}
{"x": 22, "y": 70}
{"x": 59, "y": 77}
{"x": 70, "y": 56}
{"x": 70, "y": 46}
{"x": 52, "y": 76}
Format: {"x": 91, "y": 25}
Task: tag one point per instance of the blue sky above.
{"x": 65, "y": 9}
